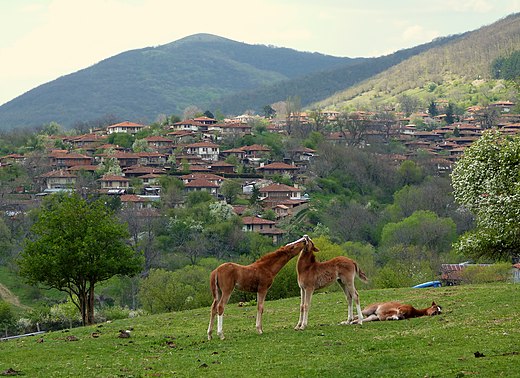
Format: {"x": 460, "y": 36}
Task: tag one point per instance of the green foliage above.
{"x": 6, "y": 315}
{"x": 422, "y": 228}
{"x": 410, "y": 173}
{"x": 478, "y": 274}
{"x": 74, "y": 245}
{"x": 124, "y": 140}
{"x": 507, "y": 68}
{"x": 486, "y": 181}
{"x": 230, "y": 189}
{"x": 186, "y": 288}
{"x": 198, "y": 197}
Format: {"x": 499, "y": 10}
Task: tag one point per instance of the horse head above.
{"x": 310, "y": 247}
{"x": 434, "y": 310}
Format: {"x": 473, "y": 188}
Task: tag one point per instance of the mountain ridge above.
{"x": 218, "y": 74}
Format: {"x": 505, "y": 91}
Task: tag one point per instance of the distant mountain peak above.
{"x": 202, "y": 37}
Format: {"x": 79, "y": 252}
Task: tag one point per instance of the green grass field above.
{"x": 482, "y": 319}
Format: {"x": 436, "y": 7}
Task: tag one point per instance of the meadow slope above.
{"x": 478, "y": 334}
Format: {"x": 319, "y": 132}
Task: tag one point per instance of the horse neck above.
{"x": 415, "y": 313}
{"x": 306, "y": 259}
{"x": 277, "y": 260}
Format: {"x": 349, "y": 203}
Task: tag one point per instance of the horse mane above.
{"x": 269, "y": 256}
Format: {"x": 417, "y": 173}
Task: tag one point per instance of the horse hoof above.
{"x": 209, "y": 337}
{"x": 344, "y": 322}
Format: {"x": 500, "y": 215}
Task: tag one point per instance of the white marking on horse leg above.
{"x": 302, "y": 301}
{"x": 220, "y": 321}
{"x": 360, "y": 314}
{"x": 259, "y": 322}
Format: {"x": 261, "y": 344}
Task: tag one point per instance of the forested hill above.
{"x": 320, "y": 85}
{"x": 140, "y": 84}
{"x": 455, "y": 71}
{"x": 218, "y": 74}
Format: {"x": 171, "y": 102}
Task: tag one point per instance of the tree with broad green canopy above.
{"x": 486, "y": 180}
{"x": 74, "y": 245}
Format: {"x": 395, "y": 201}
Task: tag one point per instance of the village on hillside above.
{"x": 191, "y": 151}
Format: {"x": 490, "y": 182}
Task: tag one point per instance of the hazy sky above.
{"x": 41, "y": 40}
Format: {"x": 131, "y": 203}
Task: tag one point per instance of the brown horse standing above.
{"x": 397, "y": 311}
{"x": 256, "y": 277}
{"x": 314, "y": 275}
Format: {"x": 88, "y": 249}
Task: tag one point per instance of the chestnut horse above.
{"x": 397, "y": 311}
{"x": 314, "y": 275}
{"x": 256, "y": 277}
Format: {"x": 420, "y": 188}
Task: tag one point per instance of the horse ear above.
{"x": 434, "y": 304}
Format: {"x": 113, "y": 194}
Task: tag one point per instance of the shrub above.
{"x": 486, "y": 273}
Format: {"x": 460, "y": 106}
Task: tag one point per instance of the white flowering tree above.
{"x": 486, "y": 180}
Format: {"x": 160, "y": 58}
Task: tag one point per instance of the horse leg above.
{"x": 355, "y": 296}
{"x": 352, "y": 295}
{"x": 212, "y": 318}
{"x": 260, "y": 298}
{"x": 216, "y": 299}
{"x": 220, "y": 313}
{"x": 370, "y": 318}
{"x": 348, "y": 297}
{"x": 302, "y": 298}
{"x": 306, "y": 307}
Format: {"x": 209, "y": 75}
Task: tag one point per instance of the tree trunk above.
{"x": 90, "y": 305}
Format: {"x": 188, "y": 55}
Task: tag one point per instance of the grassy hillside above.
{"x": 458, "y": 71}
{"x": 480, "y": 320}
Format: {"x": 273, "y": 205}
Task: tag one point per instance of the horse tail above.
{"x": 362, "y": 276}
{"x": 213, "y": 283}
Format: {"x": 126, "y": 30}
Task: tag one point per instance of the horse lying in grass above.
{"x": 314, "y": 275}
{"x": 254, "y": 278}
{"x": 396, "y": 311}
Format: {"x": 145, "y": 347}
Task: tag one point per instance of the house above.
{"x": 155, "y": 159}
{"x": 255, "y": 151}
{"x": 205, "y": 120}
{"x": 136, "y": 202}
{"x": 503, "y": 106}
{"x": 262, "y": 226}
{"x": 222, "y": 167}
{"x": 59, "y": 179}
{"x": 330, "y": 115}
{"x": 302, "y": 154}
{"x": 235, "y": 129}
{"x": 140, "y": 170}
{"x": 124, "y": 159}
{"x": 159, "y": 142}
{"x": 64, "y": 159}
{"x": 87, "y": 141}
{"x": 279, "y": 192}
{"x": 205, "y": 150}
{"x": 182, "y": 136}
{"x": 189, "y": 125}
{"x": 125, "y": 127}
{"x": 113, "y": 184}
{"x": 201, "y": 184}
{"x": 216, "y": 179}
{"x": 277, "y": 168}
{"x": 238, "y": 152}
{"x": 11, "y": 159}
{"x": 281, "y": 211}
